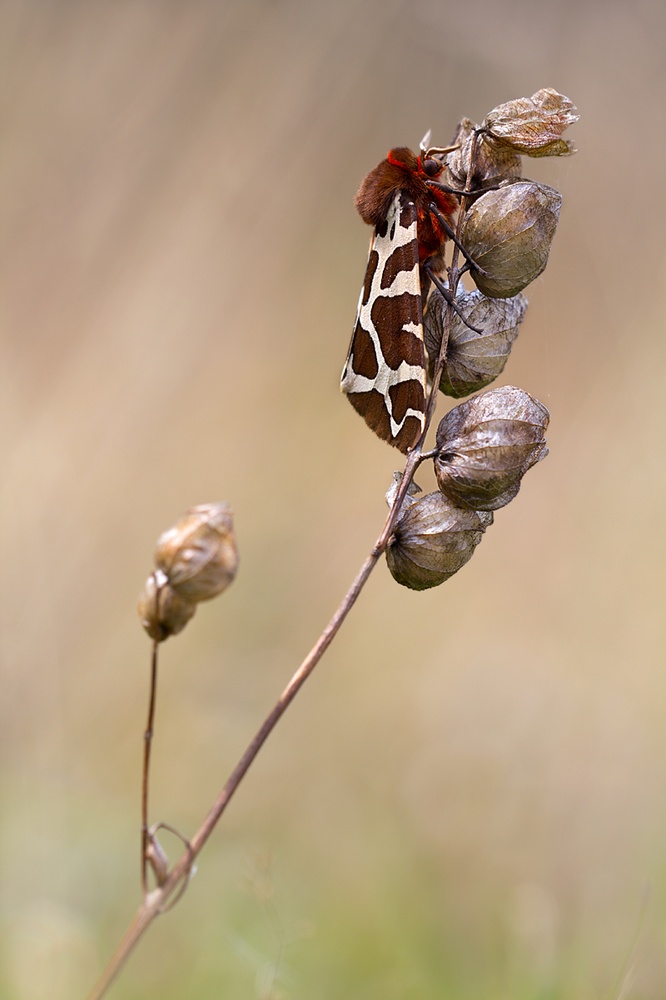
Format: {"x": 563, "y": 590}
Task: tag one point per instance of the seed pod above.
{"x": 473, "y": 360}
{"x": 508, "y": 233}
{"x": 162, "y": 611}
{"x": 412, "y": 491}
{"x": 487, "y": 444}
{"x": 199, "y": 555}
{"x": 493, "y": 163}
{"x": 432, "y": 540}
{"x": 533, "y": 125}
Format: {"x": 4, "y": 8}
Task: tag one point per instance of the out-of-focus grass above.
{"x": 467, "y": 799}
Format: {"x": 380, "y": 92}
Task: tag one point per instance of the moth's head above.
{"x": 424, "y": 166}
{"x": 431, "y": 168}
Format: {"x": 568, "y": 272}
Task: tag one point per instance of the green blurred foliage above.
{"x": 467, "y": 800}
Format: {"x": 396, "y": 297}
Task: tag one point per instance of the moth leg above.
{"x": 466, "y": 194}
{"x": 472, "y": 264}
{"x": 446, "y": 294}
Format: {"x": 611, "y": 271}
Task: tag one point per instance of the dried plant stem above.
{"x": 147, "y": 745}
{"x": 156, "y": 901}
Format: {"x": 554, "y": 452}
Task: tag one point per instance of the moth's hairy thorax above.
{"x": 378, "y": 189}
{"x": 402, "y": 171}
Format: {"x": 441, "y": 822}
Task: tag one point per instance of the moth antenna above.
{"x": 423, "y": 145}
{"x": 439, "y": 150}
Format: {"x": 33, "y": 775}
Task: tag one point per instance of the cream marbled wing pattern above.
{"x": 401, "y": 339}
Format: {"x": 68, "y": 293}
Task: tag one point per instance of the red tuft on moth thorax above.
{"x": 402, "y": 170}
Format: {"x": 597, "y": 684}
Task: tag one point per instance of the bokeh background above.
{"x": 468, "y": 799}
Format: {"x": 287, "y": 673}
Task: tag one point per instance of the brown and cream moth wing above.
{"x": 384, "y": 375}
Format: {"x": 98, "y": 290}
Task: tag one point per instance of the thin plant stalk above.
{"x": 147, "y": 745}
{"x": 155, "y": 901}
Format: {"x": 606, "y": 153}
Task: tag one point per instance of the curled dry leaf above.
{"x": 493, "y": 163}
{"x": 508, "y": 233}
{"x": 199, "y": 554}
{"x": 433, "y": 539}
{"x": 473, "y": 360}
{"x": 487, "y": 444}
{"x": 161, "y": 610}
{"x": 534, "y": 125}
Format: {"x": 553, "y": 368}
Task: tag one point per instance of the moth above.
{"x": 384, "y": 375}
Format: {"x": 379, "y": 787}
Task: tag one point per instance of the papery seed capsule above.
{"x": 487, "y": 444}
{"x": 533, "y": 125}
{"x": 199, "y": 555}
{"x": 473, "y": 360}
{"x": 492, "y": 163}
{"x": 413, "y": 491}
{"x": 162, "y": 611}
{"x": 432, "y": 540}
{"x": 508, "y": 233}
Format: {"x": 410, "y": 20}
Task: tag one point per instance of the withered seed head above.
{"x": 530, "y": 126}
{"x": 199, "y": 555}
{"x": 162, "y": 611}
{"x": 508, "y": 233}
{"x": 534, "y": 125}
{"x": 473, "y": 360}
{"x": 487, "y": 444}
{"x": 432, "y": 540}
{"x": 493, "y": 164}
{"x": 413, "y": 491}
{"x": 196, "y": 560}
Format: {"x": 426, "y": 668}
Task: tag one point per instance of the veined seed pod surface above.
{"x": 199, "y": 554}
{"x": 493, "y": 163}
{"x": 534, "y": 125}
{"x": 413, "y": 491}
{"x": 432, "y": 540}
{"x": 161, "y": 610}
{"x": 487, "y": 444}
{"x": 508, "y": 232}
{"x": 473, "y": 360}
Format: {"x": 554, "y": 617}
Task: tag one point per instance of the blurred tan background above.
{"x": 468, "y": 799}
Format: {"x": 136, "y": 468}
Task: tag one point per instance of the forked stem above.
{"x": 156, "y": 901}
